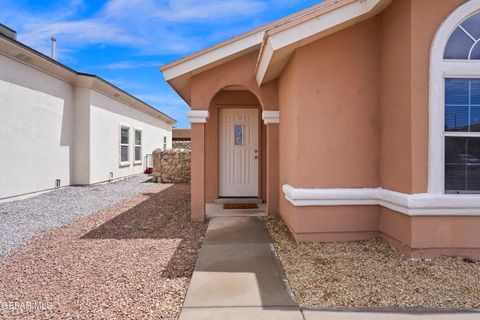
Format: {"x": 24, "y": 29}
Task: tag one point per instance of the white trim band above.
{"x": 421, "y": 204}
{"x": 271, "y": 117}
{"x": 198, "y": 116}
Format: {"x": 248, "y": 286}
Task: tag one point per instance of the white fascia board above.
{"x": 214, "y": 55}
{"x": 421, "y": 204}
{"x": 198, "y": 116}
{"x": 299, "y": 33}
{"x": 264, "y": 62}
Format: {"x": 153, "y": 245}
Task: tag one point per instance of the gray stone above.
{"x": 172, "y": 166}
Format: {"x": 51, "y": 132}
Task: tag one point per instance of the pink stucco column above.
{"x": 198, "y": 118}
{"x": 198, "y": 171}
{"x": 272, "y": 119}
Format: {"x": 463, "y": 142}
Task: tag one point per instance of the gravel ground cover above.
{"x": 20, "y": 220}
{"x": 132, "y": 260}
{"x": 371, "y": 274}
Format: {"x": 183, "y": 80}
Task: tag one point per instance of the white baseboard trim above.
{"x": 421, "y": 204}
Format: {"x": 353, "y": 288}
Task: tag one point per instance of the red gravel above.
{"x": 133, "y": 260}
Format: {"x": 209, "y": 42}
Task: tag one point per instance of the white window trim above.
{"x": 439, "y": 70}
{"x": 137, "y": 162}
{"x": 120, "y": 144}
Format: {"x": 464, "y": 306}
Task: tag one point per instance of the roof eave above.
{"x": 214, "y": 57}
{"x": 279, "y": 45}
{"x": 24, "y": 54}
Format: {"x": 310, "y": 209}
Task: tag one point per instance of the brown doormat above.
{"x": 240, "y": 206}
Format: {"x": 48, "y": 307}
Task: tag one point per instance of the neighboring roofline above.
{"x": 72, "y": 76}
{"x": 179, "y": 73}
{"x": 7, "y": 27}
{"x": 181, "y": 134}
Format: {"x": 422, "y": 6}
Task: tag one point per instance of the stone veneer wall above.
{"x": 172, "y": 166}
{"x": 182, "y": 145}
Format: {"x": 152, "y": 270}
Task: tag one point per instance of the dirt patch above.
{"x": 132, "y": 260}
{"x": 372, "y": 274}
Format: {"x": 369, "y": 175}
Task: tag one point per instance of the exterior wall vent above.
{"x": 57, "y": 183}
{"x": 7, "y": 32}
{"x": 110, "y": 175}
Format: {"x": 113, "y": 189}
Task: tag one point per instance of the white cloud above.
{"x": 76, "y": 33}
{"x": 131, "y": 65}
{"x": 195, "y": 10}
{"x": 151, "y": 27}
{"x": 184, "y": 10}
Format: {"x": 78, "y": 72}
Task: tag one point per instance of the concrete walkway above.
{"x": 238, "y": 275}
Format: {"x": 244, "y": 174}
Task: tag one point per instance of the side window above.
{"x": 164, "y": 143}
{"x": 124, "y": 144}
{"x": 138, "y": 146}
{"x": 462, "y": 135}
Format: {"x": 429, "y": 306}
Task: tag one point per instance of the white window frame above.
{"x": 440, "y": 69}
{"x": 120, "y": 144}
{"x": 135, "y": 161}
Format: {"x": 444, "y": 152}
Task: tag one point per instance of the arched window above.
{"x": 463, "y": 43}
{"x": 454, "y": 142}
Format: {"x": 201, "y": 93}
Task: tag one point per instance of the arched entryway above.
{"x": 232, "y": 85}
{"x": 235, "y": 141}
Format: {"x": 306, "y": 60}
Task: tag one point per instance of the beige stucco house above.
{"x": 351, "y": 119}
{"x": 61, "y": 127}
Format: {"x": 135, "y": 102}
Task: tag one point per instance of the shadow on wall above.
{"x": 49, "y": 114}
{"x": 42, "y": 83}
{"x": 164, "y": 215}
{"x": 113, "y": 106}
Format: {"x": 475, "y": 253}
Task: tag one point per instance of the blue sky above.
{"x": 126, "y": 41}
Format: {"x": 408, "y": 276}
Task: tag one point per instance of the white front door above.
{"x": 239, "y": 154}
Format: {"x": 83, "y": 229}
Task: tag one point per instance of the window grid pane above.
{"x": 462, "y": 105}
{"x": 138, "y": 137}
{"x": 124, "y": 135}
{"x": 462, "y": 164}
{"x": 138, "y": 153}
{"x": 463, "y": 43}
{"x": 124, "y": 153}
{"x": 458, "y": 46}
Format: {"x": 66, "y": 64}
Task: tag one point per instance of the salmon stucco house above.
{"x": 352, "y": 119}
